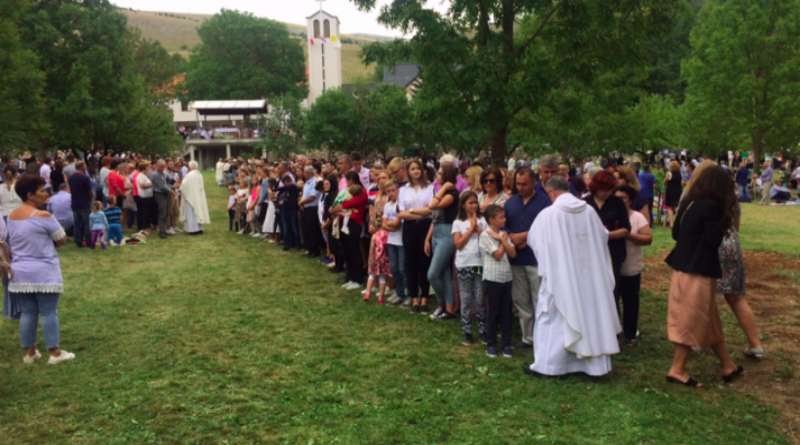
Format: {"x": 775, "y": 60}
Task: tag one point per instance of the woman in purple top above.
{"x": 36, "y": 284}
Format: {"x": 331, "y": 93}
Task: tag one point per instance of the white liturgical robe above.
{"x": 576, "y": 318}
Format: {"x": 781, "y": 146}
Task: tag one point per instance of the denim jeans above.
{"x": 397, "y": 261}
{"x": 33, "y": 305}
{"x": 440, "y": 273}
{"x": 291, "y": 237}
{"x": 81, "y": 228}
{"x": 743, "y": 193}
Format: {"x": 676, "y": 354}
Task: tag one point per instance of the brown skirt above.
{"x": 693, "y": 316}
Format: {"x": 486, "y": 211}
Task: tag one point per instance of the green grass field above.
{"x": 223, "y": 339}
{"x": 175, "y": 34}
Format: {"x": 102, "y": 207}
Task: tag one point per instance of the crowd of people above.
{"x": 91, "y": 200}
{"x": 559, "y": 246}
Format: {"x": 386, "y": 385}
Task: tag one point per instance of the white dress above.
{"x": 190, "y": 225}
{"x": 269, "y": 221}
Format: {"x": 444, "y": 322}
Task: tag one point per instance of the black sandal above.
{"x": 691, "y": 382}
{"x": 729, "y": 377}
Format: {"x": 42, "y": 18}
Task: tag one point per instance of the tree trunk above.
{"x": 758, "y": 152}
{"x": 565, "y": 152}
{"x": 499, "y": 147}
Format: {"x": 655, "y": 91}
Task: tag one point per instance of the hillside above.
{"x": 177, "y": 33}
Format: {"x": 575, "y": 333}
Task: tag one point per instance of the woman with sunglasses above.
{"x": 491, "y": 189}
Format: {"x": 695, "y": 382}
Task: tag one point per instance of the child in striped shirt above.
{"x": 114, "y": 224}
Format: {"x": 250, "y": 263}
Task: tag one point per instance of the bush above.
{"x": 184, "y": 47}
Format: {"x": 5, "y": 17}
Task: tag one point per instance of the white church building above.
{"x": 324, "y": 54}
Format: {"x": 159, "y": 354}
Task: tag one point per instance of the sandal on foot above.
{"x": 691, "y": 382}
{"x": 728, "y": 378}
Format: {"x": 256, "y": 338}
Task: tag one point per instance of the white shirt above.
{"x": 390, "y": 214}
{"x": 589, "y": 165}
{"x": 498, "y": 271}
{"x": 9, "y": 200}
{"x": 364, "y": 175}
{"x": 144, "y": 180}
{"x": 511, "y": 163}
{"x": 470, "y": 254}
{"x": 634, "y": 262}
{"x": 796, "y": 173}
{"x": 415, "y": 199}
{"x": 44, "y": 172}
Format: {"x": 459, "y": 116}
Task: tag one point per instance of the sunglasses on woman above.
{"x": 489, "y": 181}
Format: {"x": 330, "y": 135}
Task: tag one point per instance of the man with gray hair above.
{"x": 309, "y": 204}
{"x": 576, "y": 317}
{"x": 461, "y": 184}
{"x": 161, "y": 192}
{"x": 548, "y": 167}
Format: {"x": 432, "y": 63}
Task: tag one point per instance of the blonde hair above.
{"x": 697, "y": 171}
{"x": 97, "y": 206}
{"x": 397, "y": 162}
{"x": 629, "y": 176}
{"x": 674, "y": 167}
{"x": 474, "y": 176}
{"x": 111, "y": 200}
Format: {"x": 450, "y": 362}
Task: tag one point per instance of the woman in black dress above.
{"x": 673, "y": 181}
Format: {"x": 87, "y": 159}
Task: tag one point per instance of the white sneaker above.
{"x": 30, "y": 360}
{"x": 241, "y": 232}
{"x": 171, "y": 232}
{"x": 65, "y": 356}
{"x": 256, "y": 235}
{"x": 177, "y": 230}
{"x": 353, "y": 286}
{"x": 436, "y": 313}
{"x": 757, "y": 352}
{"x": 348, "y": 284}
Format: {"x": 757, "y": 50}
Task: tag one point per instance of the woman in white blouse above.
{"x": 413, "y": 202}
{"x": 9, "y": 200}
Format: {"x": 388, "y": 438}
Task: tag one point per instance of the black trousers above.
{"x": 629, "y": 292}
{"x": 417, "y": 263}
{"x": 231, "y": 217}
{"x": 354, "y": 263}
{"x": 498, "y": 298}
{"x": 311, "y": 232}
{"x": 336, "y": 249}
{"x": 160, "y": 214}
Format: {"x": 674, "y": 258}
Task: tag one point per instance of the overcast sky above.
{"x": 289, "y": 11}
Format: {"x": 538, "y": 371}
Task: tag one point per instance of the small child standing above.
{"x": 495, "y": 250}
{"x": 467, "y": 229}
{"x": 394, "y": 227}
{"x": 98, "y": 223}
{"x": 232, "y": 208}
{"x": 114, "y": 223}
{"x": 241, "y": 205}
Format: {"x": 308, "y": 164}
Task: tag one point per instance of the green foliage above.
{"x": 21, "y": 84}
{"x": 94, "y": 94}
{"x": 744, "y": 76}
{"x": 477, "y": 58}
{"x": 283, "y": 136}
{"x": 245, "y": 57}
{"x": 152, "y": 63}
{"x": 361, "y": 120}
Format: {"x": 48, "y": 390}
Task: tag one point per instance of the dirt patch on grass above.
{"x": 773, "y": 291}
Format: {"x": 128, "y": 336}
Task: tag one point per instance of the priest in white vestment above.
{"x": 220, "y": 172}
{"x": 576, "y": 317}
{"x": 194, "y": 207}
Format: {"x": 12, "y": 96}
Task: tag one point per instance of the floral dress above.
{"x": 731, "y": 259}
{"x": 378, "y": 252}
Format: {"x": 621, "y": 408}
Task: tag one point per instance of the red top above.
{"x": 115, "y": 181}
{"x": 359, "y": 207}
{"x": 135, "y": 185}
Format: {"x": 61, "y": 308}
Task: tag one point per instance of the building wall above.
{"x": 330, "y": 76}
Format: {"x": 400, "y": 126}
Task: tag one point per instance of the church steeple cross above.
{"x": 320, "y": 4}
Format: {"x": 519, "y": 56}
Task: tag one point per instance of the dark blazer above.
{"x": 697, "y": 239}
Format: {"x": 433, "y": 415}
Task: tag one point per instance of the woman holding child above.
{"x": 349, "y": 238}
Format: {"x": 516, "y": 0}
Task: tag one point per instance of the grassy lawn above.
{"x": 225, "y": 339}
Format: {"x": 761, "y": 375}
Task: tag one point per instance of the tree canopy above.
{"x": 245, "y": 57}
{"x": 744, "y": 75}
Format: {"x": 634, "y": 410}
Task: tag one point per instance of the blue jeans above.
{"x": 440, "y": 273}
{"x": 81, "y": 228}
{"x": 33, "y": 305}
{"x": 115, "y": 233}
{"x": 743, "y": 193}
{"x": 291, "y": 237}
{"x": 397, "y": 261}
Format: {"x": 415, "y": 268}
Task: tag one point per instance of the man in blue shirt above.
{"x": 549, "y": 167}
{"x": 648, "y": 181}
{"x": 521, "y": 210}
{"x": 60, "y": 206}
{"x": 309, "y": 204}
{"x": 742, "y": 179}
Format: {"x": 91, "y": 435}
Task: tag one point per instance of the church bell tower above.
{"x": 324, "y": 54}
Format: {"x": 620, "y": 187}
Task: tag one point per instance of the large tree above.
{"x": 21, "y": 84}
{"x": 480, "y": 54}
{"x": 744, "y": 75}
{"x": 94, "y": 96}
{"x": 361, "y": 120}
{"x": 245, "y": 57}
